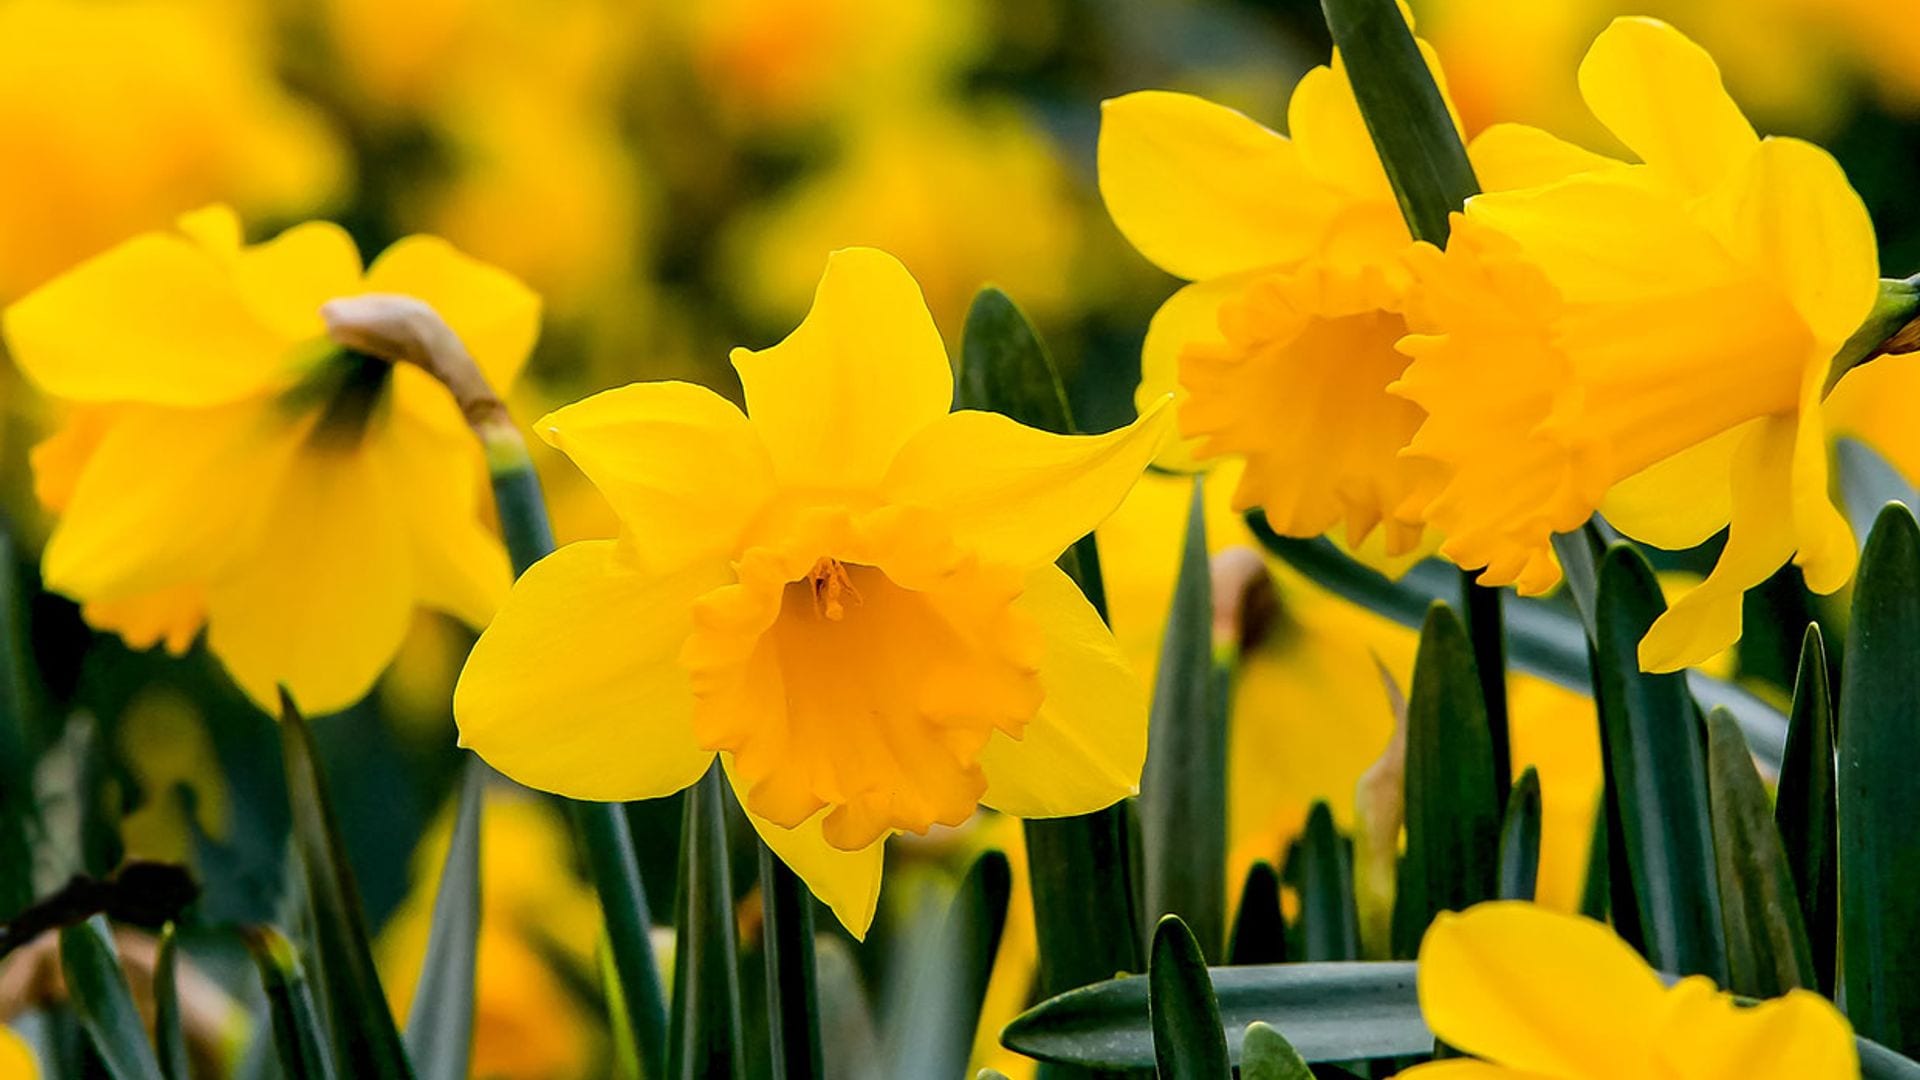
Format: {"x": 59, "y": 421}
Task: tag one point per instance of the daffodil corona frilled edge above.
{"x": 222, "y": 464}
{"x": 847, "y": 594}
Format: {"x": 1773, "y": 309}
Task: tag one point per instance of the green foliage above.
{"x": 1767, "y": 949}
{"x": 439, "y": 1032}
{"x": 705, "y": 1038}
{"x": 169, "y": 1041}
{"x": 1804, "y": 809}
{"x": 934, "y": 1034}
{"x": 100, "y": 996}
{"x": 1329, "y": 924}
{"x": 1188, "y": 1043}
{"x": 1259, "y": 926}
{"x": 1265, "y": 1054}
{"x": 299, "y": 1037}
{"x": 1520, "y": 839}
{"x": 793, "y": 984}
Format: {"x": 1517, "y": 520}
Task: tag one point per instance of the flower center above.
{"x": 348, "y": 389}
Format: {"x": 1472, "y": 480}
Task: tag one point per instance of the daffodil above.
{"x": 227, "y": 466}
{"x": 846, "y": 594}
{"x": 1648, "y": 339}
{"x": 1281, "y": 349}
{"x": 1538, "y": 995}
{"x": 17, "y": 1061}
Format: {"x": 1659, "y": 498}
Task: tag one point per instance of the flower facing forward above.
{"x": 846, "y": 593}
{"x": 1648, "y": 339}
{"x": 225, "y": 465}
{"x": 1537, "y": 995}
{"x": 1281, "y": 350}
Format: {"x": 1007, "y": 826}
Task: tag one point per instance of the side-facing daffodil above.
{"x": 226, "y": 465}
{"x": 1649, "y": 340}
{"x": 1538, "y": 995}
{"x": 846, "y": 593}
{"x": 1281, "y": 350}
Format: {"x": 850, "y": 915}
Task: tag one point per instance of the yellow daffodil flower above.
{"x": 227, "y": 466}
{"x": 1281, "y": 350}
{"x": 847, "y": 594}
{"x": 17, "y": 1061}
{"x": 1537, "y": 995}
{"x": 1649, "y": 340}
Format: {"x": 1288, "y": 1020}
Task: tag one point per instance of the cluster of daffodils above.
{"x": 1650, "y": 339}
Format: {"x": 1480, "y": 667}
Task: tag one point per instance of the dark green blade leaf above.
{"x": 1183, "y": 801}
{"x": 1804, "y": 809}
{"x": 1265, "y": 1054}
{"x": 169, "y": 1039}
{"x": 1405, "y": 114}
{"x": 365, "y": 1042}
{"x": 1657, "y": 778}
{"x": 17, "y": 812}
{"x": 706, "y": 1038}
{"x": 1879, "y": 803}
{"x": 439, "y": 1035}
{"x": 1452, "y": 808}
{"x": 1330, "y": 1012}
{"x": 933, "y": 1035}
{"x": 298, "y": 1035}
{"x": 1767, "y": 951}
{"x": 1520, "y": 839}
{"x": 1188, "y": 1043}
{"x": 1005, "y": 366}
{"x": 1544, "y": 638}
{"x": 1486, "y": 630}
{"x": 793, "y": 985}
{"x": 1329, "y": 922}
{"x": 100, "y": 996}
{"x": 1259, "y": 928}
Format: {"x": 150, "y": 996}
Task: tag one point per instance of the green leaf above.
{"x": 1657, "y": 778}
{"x": 1330, "y": 1012}
{"x": 706, "y": 1025}
{"x": 1879, "y": 803}
{"x": 1520, "y": 839}
{"x": 1259, "y": 927}
{"x": 1265, "y": 1054}
{"x": 169, "y": 1040}
{"x": 1329, "y": 923}
{"x": 1452, "y": 806}
{"x": 1183, "y": 801}
{"x": 439, "y": 1034}
{"x": 1897, "y": 306}
{"x": 98, "y": 989}
{"x": 1486, "y": 630}
{"x": 1405, "y": 113}
{"x": 933, "y": 1034}
{"x": 1804, "y": 808}
{"x": 793, "y": 984}
{"x": 1188, "y": 1042}
{"x": 1544, "y": 637}
{"x": 522, "y": 508}
{"x": 365, "y": 1043}
{"x": 17, "y": 811}
{"x": 299, "y": 1038}
{"x": 1868, "y": 482}
{"x": 1767, "y": 950}
{"x": 1005, "y": 366}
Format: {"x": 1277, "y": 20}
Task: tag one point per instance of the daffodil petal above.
{"x": 1682, "y": 500}
{"x": 1324, "y": 119}
{"x": 1706, "y": 1034}
{"x": 1512, "y": 156}
{"x": 576, "y": 688}
{"x": 1018, "y": 495}
{"x": 1466, "y": 1069}
{"x": 1202, "y": 190}
{"x": 1824, "y": 545}
{"x": 102, "y": 332}
{"x": 1191, "y": 315}
{"x": 680, "y": 464}
{"x": 1535, "y": 990}
{"x": 171, "y": 617}
{"x": 321, "y": 603}
{"x": 1086, "y": 746}
{"x": 285, "y": 280}
{"x": 860, "y": 376}
{"x": 460, "y": 565}
{"x": 16, "y": 1057}
{"x": 846, "y": 881}
{"x": 496, "y": 317}
{"x": 1661, "y": 95}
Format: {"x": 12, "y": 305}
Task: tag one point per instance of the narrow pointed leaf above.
{"x": 1183, "y": 802}
{"x": 1767, "y": 951}
{"x": 439, "y": 1033}
{"x": 793, "y": 984}
{"x": 98, "y": 989}
{"x": 17, "y": 811}
{"x": 1879, "y": 803}
{"x": 299, "y": 1037}
{"x": 1259, "y": 927}
{"x": 1486, "y": 631}
{"x": 1520, "y": 840}
{"x": 1005, "y": 366}
{"x": 169, "y": 1038}
{"x": 706, "y": 1022}
{"x": 1188, "y": 1043}
{"x": 1329, "y": 925}
{"x": 366, "y": 1044}
{"x": 934, "y": 1035}
{"x": 1804, "y": 809}
{"x": 1657, "y": 776}
{"x": 1452, "y": 808}
{"x": 1265, "y": 1054}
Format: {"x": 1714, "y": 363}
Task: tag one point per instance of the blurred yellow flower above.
{"x": 848, "y": 594}
{"x": 115, "y": 117}
{"x": 1281, "y": 350}
{"x": 533, "y": 912}
{"x": 16, "y": 1057}
{"x": 1539, "y": 995}
{"x": 164, "y": 742}
{"x": 227, "y": 465}
{"x": 1649, "y": 340}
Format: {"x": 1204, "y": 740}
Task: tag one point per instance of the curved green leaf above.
{"x": 706, "y": 1025}
{"x": 934, "y": 1033}
{"x": 169, "y": 1039}
{"x": 98, "y": 989}
{"x": 439, "y": 1033}
{"x": 1804, "y": 808}
{"x": 1188, "y": 1043}
{"x": 1329, "y": 923}
{"x": 299, "y": 1038}
{"x": 1259, "y": 926}
{"x": 793, "y": 984}
{"x": 1767, "y": 951}
{"x": 1520, "y": 839}
{"x": 17, "y": 810}
{"x": 1879, "y": 803}
{"x": 1265, "y": 1054}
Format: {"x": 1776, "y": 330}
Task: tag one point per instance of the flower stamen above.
{"x": 832, "y": 587}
